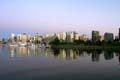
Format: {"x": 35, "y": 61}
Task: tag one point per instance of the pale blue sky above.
{"x": 48, "y": 16}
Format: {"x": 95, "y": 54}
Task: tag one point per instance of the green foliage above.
{"x": 36, "y": 41}
{"x": 116, "y": 42}
{"x": 79, "y": 41}
{"x": 56, "y": 41}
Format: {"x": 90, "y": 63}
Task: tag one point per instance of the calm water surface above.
{"x": 22, "y": 63}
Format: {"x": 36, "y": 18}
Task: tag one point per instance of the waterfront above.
{"x": 23, "y": 63}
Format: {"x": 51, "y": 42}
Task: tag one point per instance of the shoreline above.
{"x": 85, "y": 47}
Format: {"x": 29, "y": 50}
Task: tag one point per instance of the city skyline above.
{"x": 49, "y": 16}
{"x": 2, "y": 35}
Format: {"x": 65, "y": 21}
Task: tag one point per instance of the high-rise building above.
{"x": 84, "y": 37}
{"x": 67, "y": 36}
{"x": 77, "y": 37}
{"x": 108, "y": 37}
{"x": 47, "y": 38}
{"x": 95, "y": 36}
{"x": 0, "y": 41}
{"x": 12, "y": 38}
{"x": 70, "y": 36}
{"x": 119, "y": 34}
{"x": 101, "y": 37}
{"x": 23, "y": 37}
{"x": 61, "y": 36}
{"x": 36, "y": 37}
{"x": 116, "y": 37}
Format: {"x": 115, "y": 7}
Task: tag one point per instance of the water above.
{"x": 24, "y": 63}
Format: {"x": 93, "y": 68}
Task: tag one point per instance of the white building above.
{"x": 23, "y": 37}
{"x": 77, "y": 37}
{"x": 71, "y": 36}
{"x": 83, "y": 37}
{"x": 66, "y": 36}
{"x": 61, "y": 36}
{"x": 48, "y": 35}
{"x": 36, "y": 37}
{"x": 12, "y": 38}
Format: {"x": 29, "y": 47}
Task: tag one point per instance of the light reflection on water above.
{"x": 28, "y": 63}
{"x": 63, "y": 54}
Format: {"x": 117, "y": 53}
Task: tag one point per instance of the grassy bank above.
{"x": 86, "y": 47}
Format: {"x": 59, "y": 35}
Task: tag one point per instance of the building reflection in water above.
{"x": 23, "y": 51}
{"x": 67, "y": 54}
{"x": 19, "y": 51}
{"x": 29, "y": 51}
{"x": 108, "y": 55}
{"x": 13, "y": 51}
{"x": 96, "y": 55}
{"x": 64, "y": 54}
{"x": 118, "y": 55}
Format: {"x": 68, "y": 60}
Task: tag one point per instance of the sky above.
{"x": 49, "y": 16}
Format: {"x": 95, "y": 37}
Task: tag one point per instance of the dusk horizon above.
{"x": 49, "y": 16}
{"x": 59, "y": 39}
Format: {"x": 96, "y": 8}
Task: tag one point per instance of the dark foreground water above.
{"x": 23, "y": 63}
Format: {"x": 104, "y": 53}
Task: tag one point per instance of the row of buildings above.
{"x": 62, "y": 36}
{"x": 107, "y": 37}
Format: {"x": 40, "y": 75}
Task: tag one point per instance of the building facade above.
{"x": 61, "y": 36}
{"x": 36, "y": 37}
{"x": 108, "y": 37}
{"x": 83, "y": 37}
{"x": 70, "y": 36}
{"x": 23, "y": 37}
{"x": 95, "y": 36}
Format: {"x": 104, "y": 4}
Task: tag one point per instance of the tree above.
{"x": 79, "y": 41}
{"x": 56, "y": 41}
{"x": 36, "y": 41}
